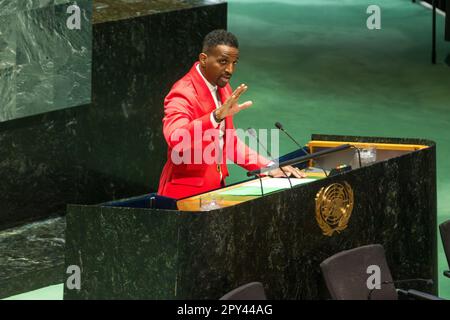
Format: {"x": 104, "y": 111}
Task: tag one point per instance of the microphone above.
{"x": 280, "y": 126}
{"x": 252, "y": 132}
{"x": 405, "y": 292}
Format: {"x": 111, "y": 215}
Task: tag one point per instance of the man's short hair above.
{"x": 219, "y": 37}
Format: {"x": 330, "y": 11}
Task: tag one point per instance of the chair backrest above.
{"x": 346, "y": 274}
{"x": 249, "y": 291}
{"x": 444, "y": 229}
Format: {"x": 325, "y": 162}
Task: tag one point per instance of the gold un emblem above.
{"x": 334, "y": 206}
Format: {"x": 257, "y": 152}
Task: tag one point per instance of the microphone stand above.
{"x": 261, "y": 183}
{"x": 252, "y": 132}
{"x": 303, "y": 158}
{"x": 279, "y": 126}
{"x": 284, "y": 172}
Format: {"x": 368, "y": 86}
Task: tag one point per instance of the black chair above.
{"x": 249, "y": 291}
{"x": 346, "y": 276}
{"x": 444, "y": 229}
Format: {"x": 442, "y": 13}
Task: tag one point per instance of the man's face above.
{"x": 219, "y": 64}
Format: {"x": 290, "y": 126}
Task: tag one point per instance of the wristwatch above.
{"x": 215, "y": 117}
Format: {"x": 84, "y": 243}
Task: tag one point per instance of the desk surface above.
{"x": 241, "y": 192}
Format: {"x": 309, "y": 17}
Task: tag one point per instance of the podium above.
{"x": 151, "y": 247}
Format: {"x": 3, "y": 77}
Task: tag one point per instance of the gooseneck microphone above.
{"x": 252, "y": 132}
{"x": 280, "y": 126}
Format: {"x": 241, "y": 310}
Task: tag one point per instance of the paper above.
{"x": 246, "y": 191}
{"x": 253, "y": 188}
{"x": 278, "y": 183}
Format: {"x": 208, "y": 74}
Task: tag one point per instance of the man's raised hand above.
{"x": 231, "y": 106}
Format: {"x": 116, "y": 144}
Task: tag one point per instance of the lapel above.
{"x": 204, "y": 95}
{"x": 205, "y": 98}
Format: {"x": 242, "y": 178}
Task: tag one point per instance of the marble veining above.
{"x": 110, "y": 10}
{"x": 51, "y": 64}
{"x": 31, "y": 256}
{"x": 13, "y": 6}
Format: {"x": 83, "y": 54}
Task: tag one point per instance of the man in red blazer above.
{"x": 198, "y": 124}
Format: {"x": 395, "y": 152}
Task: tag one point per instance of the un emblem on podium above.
{"x": 334, "y": 206}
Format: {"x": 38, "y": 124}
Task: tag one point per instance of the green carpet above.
{"x": 54, "y": 292}
{"x": 316, "y": 68}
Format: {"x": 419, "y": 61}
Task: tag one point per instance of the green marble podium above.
{"x": 142, "y": 253}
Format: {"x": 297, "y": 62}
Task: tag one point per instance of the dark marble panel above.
{"x": 38, "y": 168}
{"x": 274, "y": 239}
{"x": 32, "y": 256}
{"x": 155, "y": 280}
{"x": 111, "y": 10}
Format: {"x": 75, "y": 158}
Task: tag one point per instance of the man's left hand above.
{"x": 289, "y": 170}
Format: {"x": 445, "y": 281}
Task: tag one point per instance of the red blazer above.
{"x": 188, "y": 105}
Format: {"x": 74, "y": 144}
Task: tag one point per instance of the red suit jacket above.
{"x": 188, "y": 106}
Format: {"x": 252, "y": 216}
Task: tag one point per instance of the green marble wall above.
{"x": 44, "y": 65}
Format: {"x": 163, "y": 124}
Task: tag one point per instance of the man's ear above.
{"x": 202, "y": 58}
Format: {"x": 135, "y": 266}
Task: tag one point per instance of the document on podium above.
{"x": 253, "y": 188}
